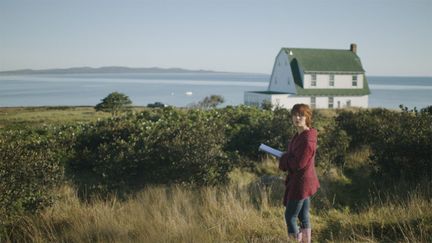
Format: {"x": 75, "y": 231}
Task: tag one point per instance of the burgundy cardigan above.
{"x": 299, "y": 160}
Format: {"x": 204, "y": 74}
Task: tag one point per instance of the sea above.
{"x": 182, "y": 89}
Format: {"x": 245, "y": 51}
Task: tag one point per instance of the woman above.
{"x": 302, "y": 181}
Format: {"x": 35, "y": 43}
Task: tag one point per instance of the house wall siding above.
{"x": 282, "y": 79}
{"x": 341, "y": 81}
{"x": 321, "y": 102}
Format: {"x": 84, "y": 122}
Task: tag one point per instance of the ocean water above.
{"x": 182, "y": 89}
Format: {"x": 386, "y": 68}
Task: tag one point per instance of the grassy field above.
{"x": 348, "y": 208}
{"x": 16, "y": 117}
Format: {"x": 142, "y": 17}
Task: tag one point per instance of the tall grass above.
{"x": 393, "y": 218}
{"x": 221, "y": 214}
{"x": 158, "y": 214}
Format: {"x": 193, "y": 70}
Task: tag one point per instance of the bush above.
{"x": 400, "y": 141}
{"x": 248, "y": 127}
{"x": 154, "y": 147}
{"x": 30, "y": 167}
{"x": 333, "y": 146}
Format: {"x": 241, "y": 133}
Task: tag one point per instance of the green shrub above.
{"x": 30, "y": 167}
{"x": 154, "y": 147}
{"x": 401, "y": 142}
{"x": 248, "y": 127}
{"x": 333, "y": 146}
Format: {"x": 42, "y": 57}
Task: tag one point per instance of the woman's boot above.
{"x": 307, "y": 235}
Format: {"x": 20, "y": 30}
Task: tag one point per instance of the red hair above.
{"x": 303, "y": 110}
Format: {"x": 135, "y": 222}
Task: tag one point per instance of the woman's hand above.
{"x": 283, "y": 161}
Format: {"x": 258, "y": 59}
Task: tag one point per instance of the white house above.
{"x": 322, "y": 78}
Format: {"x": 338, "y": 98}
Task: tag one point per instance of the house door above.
{"x": 338, "y": 104}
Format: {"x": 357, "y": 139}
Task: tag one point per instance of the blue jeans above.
{"x": 297, "y": 209}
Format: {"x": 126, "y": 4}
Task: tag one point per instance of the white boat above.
{"x": 189, "y": 93}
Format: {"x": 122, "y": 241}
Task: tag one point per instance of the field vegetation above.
{"x": 71, "y": 174}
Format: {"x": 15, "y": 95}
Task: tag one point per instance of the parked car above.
{"x": 157, "y": 105}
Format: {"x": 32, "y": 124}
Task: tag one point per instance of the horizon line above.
{"x": 187, "y": 69}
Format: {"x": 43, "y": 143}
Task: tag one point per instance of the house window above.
{"x": 330, "y": 102}
{"x": 314, "y": 80}
{"x": 354, "y": 80}
{"x": 313, "y": 102}
{"x": 331, "y": 80}
{"x": 348, "y": 103}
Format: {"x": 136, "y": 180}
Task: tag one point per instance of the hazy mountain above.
{"x": 113, "y": 69}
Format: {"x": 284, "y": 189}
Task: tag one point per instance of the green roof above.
{"x": 266, "y": 92}
{"x": 324, "y": 60}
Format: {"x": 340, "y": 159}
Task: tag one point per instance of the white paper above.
{"x": 270, "y": 150}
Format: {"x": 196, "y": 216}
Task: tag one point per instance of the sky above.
{"x": 393, "y": 37}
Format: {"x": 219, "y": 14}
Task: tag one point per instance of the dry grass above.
{"x": 223, "y": 214}
{"x": 158, "y": 214}
{"x": 389, "y": 220}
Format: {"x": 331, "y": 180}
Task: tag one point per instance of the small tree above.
{"x": 211, "y": 102}
{"x": 267, "y": 105}
{"x": 114, "y": 103}
{"x": 427, "y": 109}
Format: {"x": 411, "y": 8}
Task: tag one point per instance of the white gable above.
{"x": 282, "y": 79}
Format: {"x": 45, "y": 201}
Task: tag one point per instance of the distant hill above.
{"x": 113, "y": 69}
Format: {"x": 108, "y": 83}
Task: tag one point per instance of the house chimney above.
{"x": 353, "y": 48}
